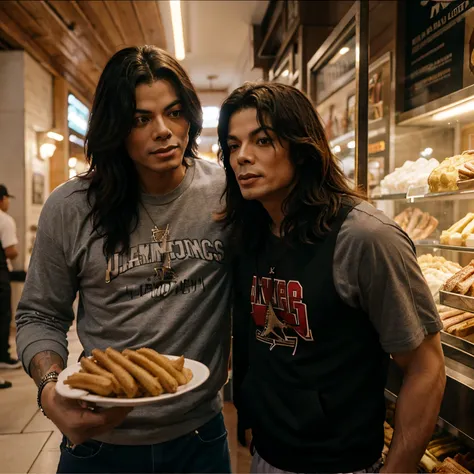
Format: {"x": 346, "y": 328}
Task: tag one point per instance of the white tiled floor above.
{"x": 29, "y": 442}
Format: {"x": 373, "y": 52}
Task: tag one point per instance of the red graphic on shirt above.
{"x": 279, "y": 312}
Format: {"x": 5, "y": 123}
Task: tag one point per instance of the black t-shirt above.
{"x": 309, "y": 370}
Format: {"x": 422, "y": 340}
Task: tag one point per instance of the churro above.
{"x": 127, "y": 382}
{"x": 169, "y": 383}
{"x": 91, "y": 382}
{"x": 148, "y": 382}
{"x": 91, "y": 367}
{"x": 165, "y": 363}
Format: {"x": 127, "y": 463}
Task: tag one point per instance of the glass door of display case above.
{"x": 338, "y": 86}
{"x": 284, "y": 72}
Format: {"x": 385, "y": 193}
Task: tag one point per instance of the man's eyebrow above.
{"x": 253, "y": 132}
{"x": 170, "y": 106}
{"x": 173, "y": 104}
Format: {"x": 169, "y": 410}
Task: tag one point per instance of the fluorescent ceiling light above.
{"x": 285, "y": 73}
{"x": 455, "y": 111}
{"x": 55, "y": 136}
{"x": 210, "y": 117}
{"x": 351, "y": 144}
{"x": 344, "y": 50}
{"x": 337, "y": 149}
{"x": 72, "y": 162}
{"x": 177, "y": 24}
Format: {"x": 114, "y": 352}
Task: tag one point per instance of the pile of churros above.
{"x": 130, "y": 374}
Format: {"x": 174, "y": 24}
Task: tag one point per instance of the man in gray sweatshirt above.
{"x": 101, "y": 235}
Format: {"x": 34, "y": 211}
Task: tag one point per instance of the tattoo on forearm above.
{"x": 42, "y": 362}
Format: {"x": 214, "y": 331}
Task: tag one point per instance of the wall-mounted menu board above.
{"x": 439, "y": 55}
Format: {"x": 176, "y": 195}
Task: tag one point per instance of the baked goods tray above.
{"x": 388, "y": 197}
{"x": 434, "y": 244}
{"x": 466, "y": 185}
{"x": 453, "y": 300}
{"x": 458, "y": 348}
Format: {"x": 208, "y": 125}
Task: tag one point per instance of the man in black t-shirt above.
{"x": 327, "y": 289}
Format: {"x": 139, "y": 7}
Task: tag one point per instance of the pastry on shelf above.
{"x": 428, "y": 463}
{"x": 445, "y": 176}
{"x": 412, "y": 173}
{"x": 457, "y": 322}
{"x": 466, "y": 171}
{"x": 428, "y": 261}
{"x": 469, "y": 242}
{"x": 437, "y": 270}
{"x": 460, "y": 233}
{"x": 465, "y": 460}
{"x": 450, "y": 466}
{"x": 417, "y": 224}
{"x": 461, "y": 282}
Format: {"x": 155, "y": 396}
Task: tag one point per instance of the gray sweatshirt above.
{"x": 188, "y": 315}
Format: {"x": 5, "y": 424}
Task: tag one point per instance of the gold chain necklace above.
{"x": 156, "y": 233}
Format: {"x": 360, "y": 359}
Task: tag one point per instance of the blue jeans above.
{"x": 205, "y": 450}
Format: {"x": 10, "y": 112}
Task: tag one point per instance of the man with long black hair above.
{"x": 136, "y": 239}
{"x": 327, "y": 288}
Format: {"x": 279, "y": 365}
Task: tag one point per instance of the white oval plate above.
{"x": 200, "y": 375}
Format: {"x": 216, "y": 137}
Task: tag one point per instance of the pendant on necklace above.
{"x": 157, "y": 234}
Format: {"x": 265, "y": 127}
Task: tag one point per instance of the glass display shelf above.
{"x": 421, "y": 194}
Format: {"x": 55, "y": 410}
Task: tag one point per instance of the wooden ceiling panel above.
{"x": 15, "y": 34}
{"x": 75, "y": 39}
{"x": 102, "y": 22}
{"x": 126, "y": 20}
{"x": 63, "y": 36}
{"x": 52, "y": 32}
{"x": 85, "y": 78}
{"x": 149, "y": 17}
{"x": 15, "y": 10}
{"x": 81, "y": 28}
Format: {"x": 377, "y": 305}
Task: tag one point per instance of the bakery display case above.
{"x": 444, "y": 453}
{"x": 428, "y": 189}
{"x": 425, "y": 196}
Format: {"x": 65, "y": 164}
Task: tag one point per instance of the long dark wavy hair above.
{"x": 114, "y": 190}
{"x": 319, "y": 184}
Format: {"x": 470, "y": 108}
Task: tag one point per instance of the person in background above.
{"x": 136, "y": 238}
{"x": 327, "y": 289}
{"x": 8, "y": 252}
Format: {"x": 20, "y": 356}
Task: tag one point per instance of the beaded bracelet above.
{"x": 49, "y": 377}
